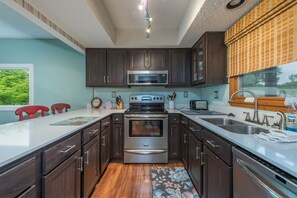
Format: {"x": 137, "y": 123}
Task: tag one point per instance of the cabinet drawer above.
{"x": 105, "y": 123}
{"x": 19, "y": 178}
{"x": 196, "y": 130}
{"x": 184, "y": 121}
{"x": 219, "y": 146}
{"x": 30, "y": 193}
{"x": 59, "y": 152}
{"x": 117, "y": 118}
{"x": 174, "y": 118}
{"x": 90, "y": 132}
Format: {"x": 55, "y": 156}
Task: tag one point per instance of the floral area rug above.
{"x": 172, "y": 182}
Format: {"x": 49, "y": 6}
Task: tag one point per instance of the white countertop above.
{"x": 21, "y": 138}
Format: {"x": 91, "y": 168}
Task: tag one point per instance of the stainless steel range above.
{"x": 146, "y": 130}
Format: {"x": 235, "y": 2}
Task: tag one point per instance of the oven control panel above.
{"x": 146, "y": 99}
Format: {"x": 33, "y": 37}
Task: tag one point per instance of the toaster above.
{"x": 199, "y": 104}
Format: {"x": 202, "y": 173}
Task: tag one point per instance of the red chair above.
{"x": 31, "y": 110}
{"x": 59, "y": 107}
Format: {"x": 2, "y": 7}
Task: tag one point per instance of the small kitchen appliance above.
{"x": 199, "y": 104}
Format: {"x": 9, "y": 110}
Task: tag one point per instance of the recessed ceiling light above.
{"x": 234, "y": 4}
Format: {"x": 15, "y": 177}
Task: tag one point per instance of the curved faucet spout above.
{"x": 256, "y": 113}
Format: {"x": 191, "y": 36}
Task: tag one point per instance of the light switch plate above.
{"x": 186, "y": 94}
{"x": 113, "y": 94}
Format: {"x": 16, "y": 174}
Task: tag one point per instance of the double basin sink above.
{"x": 235, "y": 126}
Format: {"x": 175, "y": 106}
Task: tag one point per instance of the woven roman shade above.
{"x": 266, "y": 37}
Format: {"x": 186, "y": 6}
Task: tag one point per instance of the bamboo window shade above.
{"x": 266, "y": 37}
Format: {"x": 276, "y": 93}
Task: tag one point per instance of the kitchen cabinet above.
{"x": 217, "y": 166}
{"x": 178, "y": 67}
{"x": 90, "y": 155}
{"x": 147, "y": 59}
{"x": 117, "y": 138}
{"x": 209, "y": 60}
{"x": 65, "y": 180}
{"x": 105, "y": 144}
{"x": 20, "y": 180}
{"x": 185, "y": 141}
{"x": 106, "y": 67}
{"x": 195, "y": 149}
{"x": 174, "y": 138}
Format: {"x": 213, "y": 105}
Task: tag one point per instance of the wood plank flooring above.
{"x": 127, "y": 180}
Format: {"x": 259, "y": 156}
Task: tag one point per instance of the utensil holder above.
{"x": 171, "y": 104}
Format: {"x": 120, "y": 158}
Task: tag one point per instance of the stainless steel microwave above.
{"x": 147, "y": 77}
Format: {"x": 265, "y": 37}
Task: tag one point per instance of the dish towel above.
{"x": 278, "y": 136}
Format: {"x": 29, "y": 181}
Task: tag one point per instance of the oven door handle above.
{"x": 146, "y": 116}
{"x": 146, "y": 152}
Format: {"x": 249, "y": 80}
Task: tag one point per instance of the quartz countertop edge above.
{"x": 38, "y": 133}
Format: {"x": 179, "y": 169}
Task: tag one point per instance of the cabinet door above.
{"x": 96, "y": 67}
{"x": 178, "y": 67}
{"x": 195, "y": 168}
{"x": 217, "y": 176}
{"x": 156, "y": 59}
{"x": 116, "y": 68}
{"x": 174, "y": 142}
{"x": 138, "y": 59}
{"x": 91, "y": 166}
{"x": 105, "y": 150}
{"x": 185, "y": 146}
{"x": 65, "y": 180}
{"x": 118, "y": 142}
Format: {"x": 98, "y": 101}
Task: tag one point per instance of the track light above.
{"x": 144, "y": 6}
{"x": 140, "y": 7}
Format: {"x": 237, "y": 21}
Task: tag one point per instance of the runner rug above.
{"x": 172, "y": 182}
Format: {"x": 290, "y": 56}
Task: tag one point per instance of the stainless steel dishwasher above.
{"x": 253, "y": 177}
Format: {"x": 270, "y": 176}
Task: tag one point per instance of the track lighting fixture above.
{"x": 144, "y": 6}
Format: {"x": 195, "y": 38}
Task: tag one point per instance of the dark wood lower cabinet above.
{"x": 185, "y": 146}
{"x": 64, "y": 180}
{"x": 194, "y": 167}
{"x": 217, "y": 176}
{"x": 91, "y": 172}
{"x": 118, "y": 142}
{"x": 105, "y": 149}
{"x": 174, "y": 142}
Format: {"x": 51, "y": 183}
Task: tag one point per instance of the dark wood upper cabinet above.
{"x": 106, "y": 67}
{"x": 151, "y": 59}
{"x": 179, "y": 67}
{"x": 95, "y": 67}
{"x": 116, "y": 68}
{"x": 209, "y": 60}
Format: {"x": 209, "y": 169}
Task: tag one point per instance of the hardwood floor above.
{"x": 127, "y": 180}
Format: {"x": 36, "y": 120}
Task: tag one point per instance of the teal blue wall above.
{"x": 59, "y": 71}
{"x": 207, "y": 93}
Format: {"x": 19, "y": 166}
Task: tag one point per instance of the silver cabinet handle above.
{"x": 104, "y": 80}
{"x": 106, "y": 123}
{"x": 192, "y": 129}
{"x": 81, "y": 159}
{"x": 183, "y": 122}
{"x": 197, "y": 153}
{"x": 87, "y": 157}
{"x": 211, "y": 144}
{"x": 117, "y": 119}
{"x": 248, "y": 171}
{"x": 103, "y": 141}
{"x": 93, "y": 131}
{"x": 202, "y": 162}
{"x": 185, "y": 138}
{"x": 120, "y": 131}
{"x": 69, "y": 148}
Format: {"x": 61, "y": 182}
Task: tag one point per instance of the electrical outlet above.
{"x": 185, "y": 94}
{"x": 113, "y": 94}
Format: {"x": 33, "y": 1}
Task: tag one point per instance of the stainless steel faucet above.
{"x": 281, "y": 124}
{"x": 256, "y": 113}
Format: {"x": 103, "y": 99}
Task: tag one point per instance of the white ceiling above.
{"x": 119, "y": 23}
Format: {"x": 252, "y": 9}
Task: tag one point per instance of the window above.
{"x": 16, "y": 86}
{"x": 271, "y": 85}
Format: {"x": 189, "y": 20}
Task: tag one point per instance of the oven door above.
{"x": 146, "y": 131}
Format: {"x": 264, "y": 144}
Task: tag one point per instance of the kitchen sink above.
{"x": 234, "y": 126}
{"x": 244, "y": 129}
{"x": 221, "y": 121}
